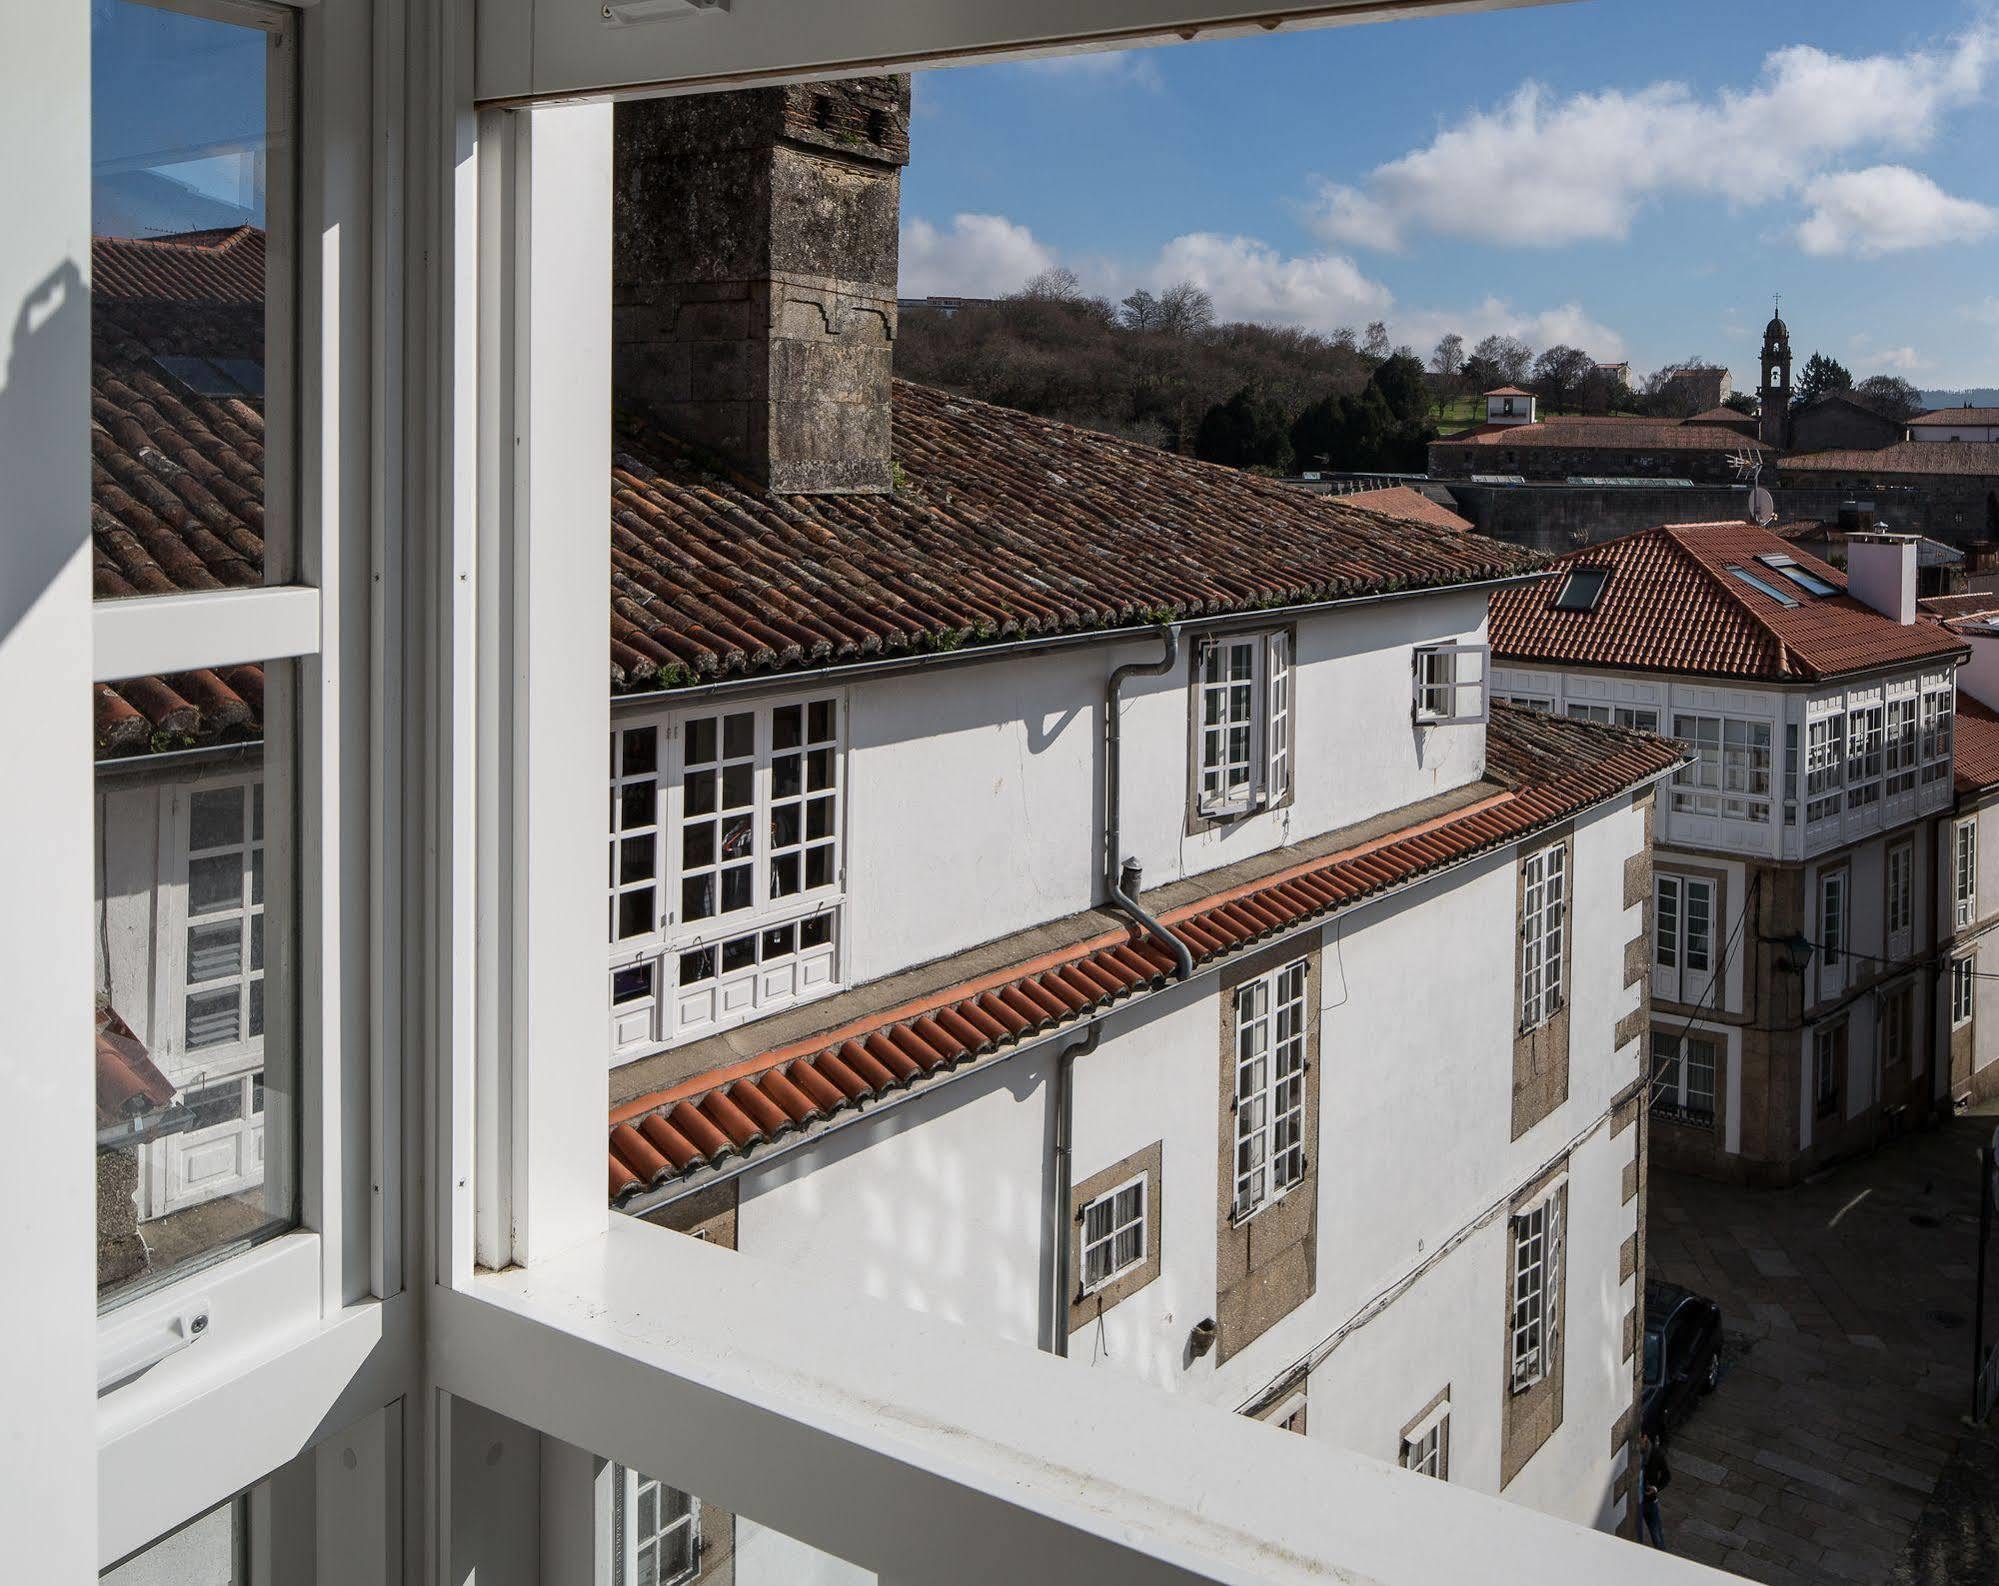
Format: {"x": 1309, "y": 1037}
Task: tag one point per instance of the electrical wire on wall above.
{"x": 1715, "y": 982}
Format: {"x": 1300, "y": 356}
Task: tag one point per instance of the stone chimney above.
{"x": 754, "y": 274}
{"x": 1881, "y": 572}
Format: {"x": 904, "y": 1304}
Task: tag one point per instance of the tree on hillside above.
{"x": 1497, "y": 361}
{"x": 1247, "y": 431}
{"x": 1185, "y": 310}
{"x": 1056, "y": 284}
{"x": 1601, "y": 392}
{"x": 1447, "y": 371}
{"x": 1666, "y": 396}
{"x": 1891, "y": 395}
{"x": 1376, "y": 345}
{"x": 1820, "y": 375}
{"x": 1559, "y": 374}
{"x": 1140, "y": 311}
{"x": 1402, "y": 386}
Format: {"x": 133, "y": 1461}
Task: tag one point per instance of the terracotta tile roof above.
{"x": 1954, "y": 608}
{"x": 1975, "y": 752}
{"x": 1544, "y": 770}
{"x": 1977, "y": 418}
{"x": 129, "y": 1084}
{"x": 177, "y": 484}
{"x": 1723, "y": 415}
{"x": 1508, "y": 390}
{"x": 1672, "y": 606}
{"x": 1408, "y": 504}
{"x": 1002, "y": 525}
{"x": 1904, "y": 457}
{"x": 1607, "y": 434}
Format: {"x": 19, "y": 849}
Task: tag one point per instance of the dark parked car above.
{"x": 1682, "y": 1353}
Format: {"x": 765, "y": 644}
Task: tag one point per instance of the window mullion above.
{"x": 147, "y": 635}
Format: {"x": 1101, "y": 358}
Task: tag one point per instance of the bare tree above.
{"x": 1141, "y": 311}
{"x": 1377, "y": 344}
{"x": 1502, "y": 360}
{"x": 1447, "y": 371}
{"x": 1559, "y": 374}
{"x": 1056, "y": 284}
{"x": 1185, "y": 310}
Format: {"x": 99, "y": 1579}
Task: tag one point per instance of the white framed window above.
{"x": 1790, "y": 773}
{"x": 216, "y": 906}
{"x": 1270, "y": 1042}
{"x": 1537, "y": 1256}
{"x": 1426, "y": 1445}
{"x": 1540, "y": 704}
{"x": 1863, "y": 757}
{"x": 1938, "y": 720}
{"x": 1683, "y": 1076}
{"x": 1833, "y": 929}
{"x": 1963, "y": 988}
{"x": 1828, "y": 1066}
{"x": 1901, "y": 898}
{"x": 1451, "y": 683}
{"x": 1903, "y": 745}
{"x": 1683, "y": 937}
{"x": 726, "y": 873}
{"x": 1116, "y": 1233}
{"x": 1634, "y": 717}
{"x": 1543, "y": 934}
{"x": 1895, "y": 1026}
{"x": 1730, "y": 775}
{"x": 655, "y": 1531}
{"x": 1825, "y": 767}
{"x": 1243, "y": 722}
{"x": 1964, "y": 870}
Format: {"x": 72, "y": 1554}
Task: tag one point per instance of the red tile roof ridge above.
{"x": 1560, "y": 768}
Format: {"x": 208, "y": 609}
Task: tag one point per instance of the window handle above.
{"x": 139, "y": 1346}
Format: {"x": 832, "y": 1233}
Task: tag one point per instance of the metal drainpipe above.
{"x": 1059, "y": 1180}
{"x": 1121, "y": 876}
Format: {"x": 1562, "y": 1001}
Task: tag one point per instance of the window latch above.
{"x": 141, "y": 1345}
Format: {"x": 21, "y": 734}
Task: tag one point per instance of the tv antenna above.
{"x": 1748, "y": 466}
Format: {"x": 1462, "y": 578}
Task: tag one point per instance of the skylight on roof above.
{"x": 1763, "y": 587}
{"x": 1809, "y": 582}
{"x": 217, "y": 377}
{"x": 1582, "y": 589}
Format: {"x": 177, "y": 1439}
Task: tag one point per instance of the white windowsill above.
{"x": 926, "y": 1451}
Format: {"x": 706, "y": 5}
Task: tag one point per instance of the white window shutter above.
{"x": 1551, "y": 1289}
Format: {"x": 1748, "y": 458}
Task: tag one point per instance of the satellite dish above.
{"x": 1761, "y": 508}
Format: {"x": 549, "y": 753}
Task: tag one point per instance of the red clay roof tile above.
{"x": 1673, "y": 606}
{"x": 1550, "y": 769}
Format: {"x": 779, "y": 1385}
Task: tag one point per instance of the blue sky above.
{"x": 1635, "y": 177}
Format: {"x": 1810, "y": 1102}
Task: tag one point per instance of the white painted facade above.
{"x": 938, "y": 1203}
{"x": 1923, "y": 428}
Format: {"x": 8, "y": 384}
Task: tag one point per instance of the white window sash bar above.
{"x": 147, "y": 634}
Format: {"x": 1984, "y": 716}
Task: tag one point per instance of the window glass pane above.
{"x": 190, "y": 153}
{"x": 195, "y": 929}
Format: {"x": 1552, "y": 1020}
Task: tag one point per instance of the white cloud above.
{"x": 1885, "y": 209}
{"x": 1251, "y": 280}
{"x": 990, "y": 255}
{"x": 1538, "y": 171}
{"x": 980, "y": 256}
{"x": 1136, "y": 67}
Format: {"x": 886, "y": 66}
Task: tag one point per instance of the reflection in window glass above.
{"x": 194, "y": 1068}
{"x": 660, "y": 1536}
{"x": 189, "y": 200}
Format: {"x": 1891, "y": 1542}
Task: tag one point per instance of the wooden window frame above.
{"x": 1269, "y": 762}
{"x": 1263, "y": 1125}
{"x": 1108, "y": 1241}
{"x": 1439, "y": 700}
{"x": 1543, "y": 935}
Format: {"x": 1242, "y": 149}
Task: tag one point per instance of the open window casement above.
{"x": 1451, "y": 684}
{"x": 1243, "y": 722}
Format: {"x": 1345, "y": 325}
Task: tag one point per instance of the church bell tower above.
{"x": 1774, "y": 392}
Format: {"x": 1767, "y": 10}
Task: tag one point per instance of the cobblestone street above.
{"x": 1848, "y": 1318}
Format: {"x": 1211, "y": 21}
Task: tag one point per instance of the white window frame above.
{"x": 1141, "y": 1222}
{"x": 654, "y": 1002}
{"x": 1828, "y": 1078}
{"x": 1901, "y": 898}
{"x": 1534, "y": 1266}
{"x": 1544, "y": 912}
{"x": 628, "y": 1546}
{"x": 1683, "y": 936}
{"x": 1674, "y": 1092}
{"x": 1270, "y": 1059}
{"x": 1896, "y": 1025}
{"x": 1963, "y": 990}
{"x": 1445, "y": 695}
{"x": 1835, "y": 928}
{"x": 1904, "y": 744}
{"x": 1964, "y": 873}
{"x": 1825, "y": 767}
{"x": 1634, "y": 718}
{"x": 1426, "y": 1446}
{"x": 1865, "y": 727}
{"x": 1269, "y": 721}
{"x": 1731, "y": 774}
{"x": 1939, "y": 719}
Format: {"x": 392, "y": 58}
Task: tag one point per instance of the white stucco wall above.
{"x": 975, "y": 792}
{"x": 938, "y": 1203}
